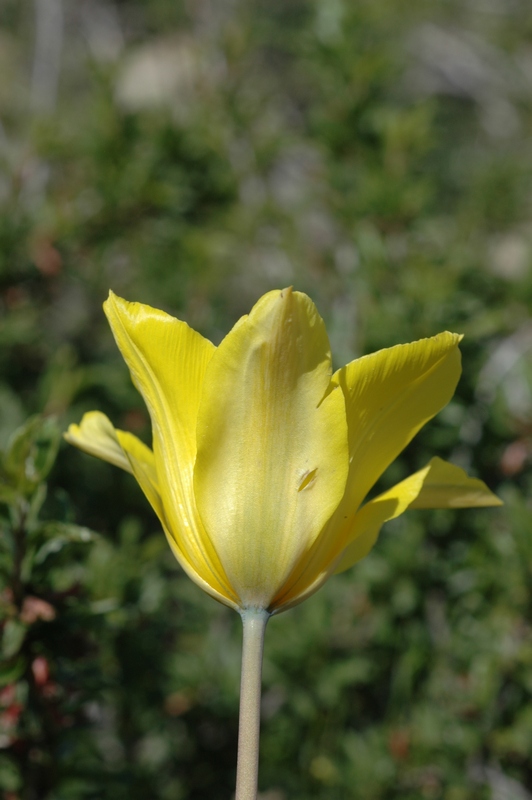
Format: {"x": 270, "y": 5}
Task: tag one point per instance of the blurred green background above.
{"x": 193, "y": 154}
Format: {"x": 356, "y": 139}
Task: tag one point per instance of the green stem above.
{"x": 254, "y": 622}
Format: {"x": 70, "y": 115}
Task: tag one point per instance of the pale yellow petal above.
{"x": 167, "y": 361}
{"x": 390, "y": 395}
{"x": 224, "y": 596}
{"x": 272, "y": 454}
{"x": 324, "y": 560}
{"x": 142, "y": 465}
{"x": 96, "y": 435}
{"x": 449, "y": 486}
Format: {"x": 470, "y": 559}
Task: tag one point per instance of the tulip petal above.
{"x": 449, "y": 486}
{"x": 373, "y": 515}
{"x": 390, "y": 395}
{"x": 364, "y": 532}
{"x": 97, "y": 436}
{"x": 167, "y": 361}
{"x": 438, "y": 485}
{"x": 143, "y": 468}
{"x": 272, "y": 452}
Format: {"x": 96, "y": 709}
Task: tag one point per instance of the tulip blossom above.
{"x": 262, "y": 458}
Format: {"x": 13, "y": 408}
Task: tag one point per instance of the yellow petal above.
{"x": 167, "y": 361}
{"x": 438, "y": 485}
{"x": 448, "y": 486}
{"x": 97, "y": 436}
{"x": 390, "y": 395}
{"x": 142, "y": 463}
{"x": 272, "y": 453}
{"x": 373, "y": 515}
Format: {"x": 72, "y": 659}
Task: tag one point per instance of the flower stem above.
{"x": 254, "y": 622}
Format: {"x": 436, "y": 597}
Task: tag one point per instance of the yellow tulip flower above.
{"x": 262, "y": 458}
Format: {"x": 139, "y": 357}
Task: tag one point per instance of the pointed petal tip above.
{"x": 449, "y": 486}
{"x": 457, "y": 336}
{"x": 286, "y": 292}
{"x": 453, "y": 337}
{"x": 71, "y": 432}
{"x": 97, "y": 436}
{"x": 114, "y": 302}
{"x": 119, "y": 305}
{"x": 109, "y": 305}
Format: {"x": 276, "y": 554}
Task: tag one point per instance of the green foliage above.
{"x": 196, "y": 155}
